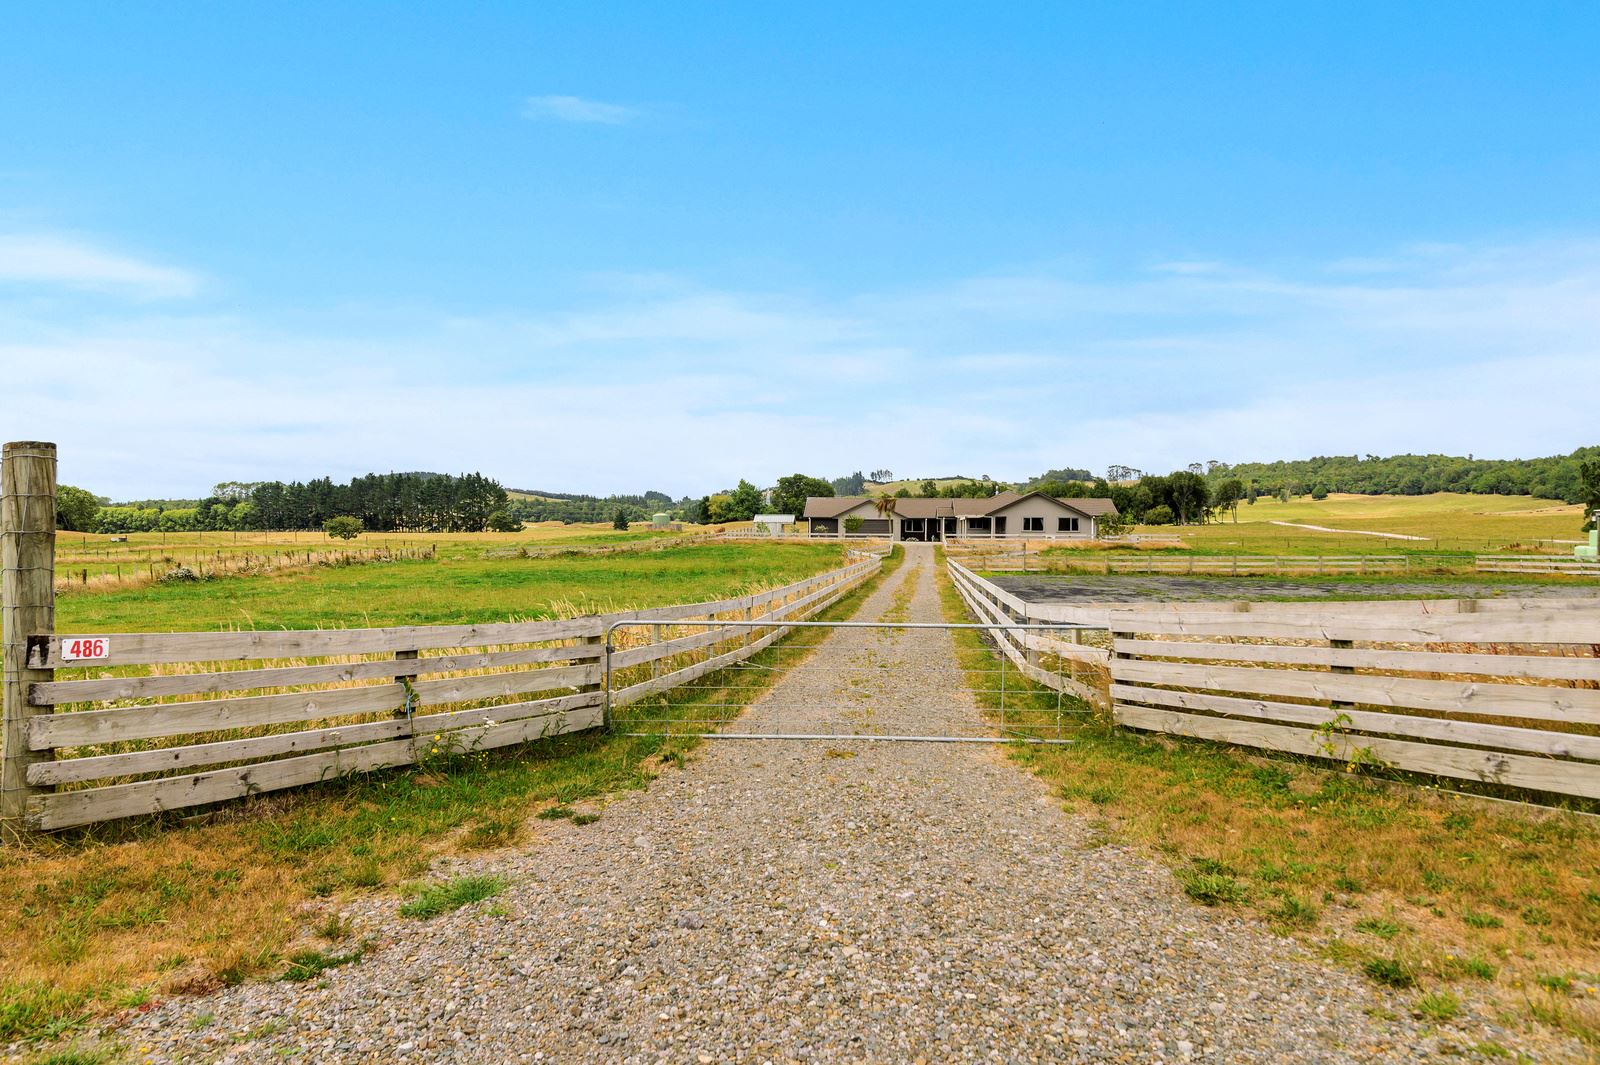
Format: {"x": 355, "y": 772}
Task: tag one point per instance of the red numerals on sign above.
{"x": 86, "y": 647}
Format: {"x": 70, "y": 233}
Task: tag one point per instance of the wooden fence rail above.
{"x": 1503, "y": 692}
{"x": 1029, "y": 649}
{"x": 1012, "y": 560}
{"x": 1231, "y": 565}
{"x": 107, "y": 726}
{"x": 1536, "y": 564}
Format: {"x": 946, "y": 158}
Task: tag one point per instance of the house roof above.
{"x": 947, "y": 507}
{"x": 832, "y": 506}
{"x": 1088, "y": 506}
{"x": 1094, "y": 506}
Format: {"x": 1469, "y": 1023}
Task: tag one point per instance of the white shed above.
{"x": 772, "y": 524}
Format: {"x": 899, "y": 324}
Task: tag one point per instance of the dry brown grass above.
{"x": 1498, "y": 902}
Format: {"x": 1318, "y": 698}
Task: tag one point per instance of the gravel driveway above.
{"x": 819, "y": 901}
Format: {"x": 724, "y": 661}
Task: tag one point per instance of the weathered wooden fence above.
{"x": 1012, "y": 559}
{"x": 101, "y": 726}
{"x": 1536, "y": 564}
{"x": 1500, "y": 691}
{"x": 1077, "y": 662}
{"x": 1234, "y": 565}
{"x": 1505, "y": 691}
{"x": 281, "y": 709}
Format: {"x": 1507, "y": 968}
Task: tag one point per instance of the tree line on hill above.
{"x": 383, "y": 502}
{"x": 569, "y": 508}
{"x": 1555, "y": 477}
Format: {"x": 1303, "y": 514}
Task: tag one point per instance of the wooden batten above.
{"x": 146, "y": 648}
{"x": 1472, "y": 733}
{"x": 112, "y": 688}
{"x": 1551, "y": 667}
{"x": 1512, "y": 770}
{"x": 1572, "y": 706}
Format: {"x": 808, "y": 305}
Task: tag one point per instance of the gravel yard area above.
{"x": 1066, "y": 588}
{"x": 820, "y": 901}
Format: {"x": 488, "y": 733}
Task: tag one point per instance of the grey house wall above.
{"x": 1050, "y": 511}
{"x": 871, "y": 523}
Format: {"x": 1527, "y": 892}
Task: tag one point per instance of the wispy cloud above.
{"x": 51, "y": 259}
{"x": 1006, "y": 375}
{"x": 577, "y": 109}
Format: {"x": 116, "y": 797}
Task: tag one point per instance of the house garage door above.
{"x": 877, "y": 526}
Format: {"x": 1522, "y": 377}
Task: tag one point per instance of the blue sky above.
{"x": 611, "y": 247}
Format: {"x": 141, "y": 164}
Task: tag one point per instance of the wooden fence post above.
{"x": 1338, "y": 705}
{"x": 600, "y": 640}
{"x": 409, "y": 709}
{"x": 28, "y": 595}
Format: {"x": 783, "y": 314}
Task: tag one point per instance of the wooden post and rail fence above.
{"x": 1498, "y": 691}
{"x": 102, "y": 726}
{"x": 1012, "y": 558}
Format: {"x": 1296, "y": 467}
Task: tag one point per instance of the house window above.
{"x": 1066, "y": 525}
{"x": 1033, "y": 525}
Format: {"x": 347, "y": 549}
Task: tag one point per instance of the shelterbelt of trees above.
{"x": 1205, "y": 491}
{"x": 384, "y": 502}
{"x": 570, "y": 507}
{"x": 1557, "y": 477}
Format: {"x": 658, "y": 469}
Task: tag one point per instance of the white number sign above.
{"x": 79, "y": 648}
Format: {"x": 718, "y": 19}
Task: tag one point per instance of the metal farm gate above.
{"x": 843, "y": 680}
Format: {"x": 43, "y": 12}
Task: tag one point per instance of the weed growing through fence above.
{"x": 1499, "y": 895}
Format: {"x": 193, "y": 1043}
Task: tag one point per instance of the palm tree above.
{"x": 884, "y": 504}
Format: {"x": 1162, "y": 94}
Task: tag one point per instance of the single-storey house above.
{"x": 1014, "y": 515}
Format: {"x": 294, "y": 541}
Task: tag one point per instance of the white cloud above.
{"x": 577, "y": 109}
{"x": 665, "y": 384}
{"x": 62, "y": 260}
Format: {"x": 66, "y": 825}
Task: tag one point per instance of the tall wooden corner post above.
{"x": 27, "y": 603}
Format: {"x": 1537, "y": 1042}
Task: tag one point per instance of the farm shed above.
{"x": 772, "y": 524}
